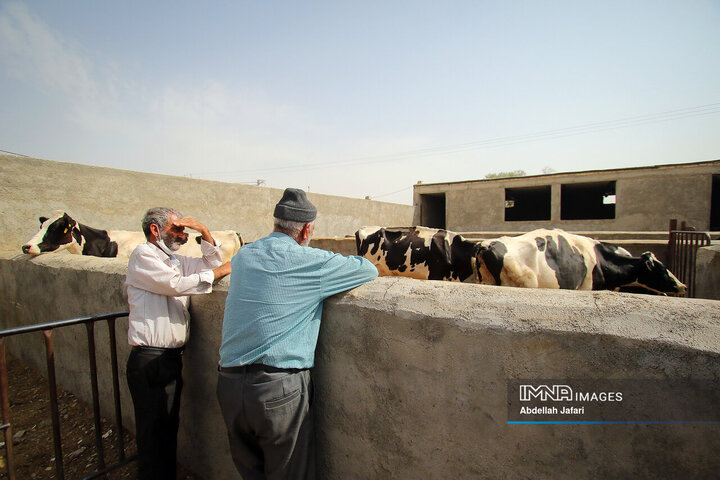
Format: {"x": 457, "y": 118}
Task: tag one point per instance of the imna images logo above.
{"x": 544, "y": 393}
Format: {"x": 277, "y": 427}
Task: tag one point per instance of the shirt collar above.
{"x": 173, "y": 259}
{"x": 283, "y": 236}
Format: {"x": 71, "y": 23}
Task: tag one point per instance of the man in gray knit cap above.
{"x": 272, "y": 319}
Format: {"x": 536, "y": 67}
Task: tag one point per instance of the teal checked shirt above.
{"x": 274, "y": 303}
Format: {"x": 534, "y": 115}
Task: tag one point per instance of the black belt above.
{"x": 158, "y": 350}
{"x": 258, "y": 367}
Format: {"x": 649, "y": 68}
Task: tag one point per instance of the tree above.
{"x": 514, "y": 173}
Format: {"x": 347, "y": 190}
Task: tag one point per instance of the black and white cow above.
{"x": 557, "y": 259}
{"x": 538, "y": 259}
{"x": 417, "y": 252}
{"x": 62, "y": 232}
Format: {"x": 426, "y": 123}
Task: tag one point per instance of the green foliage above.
{"x": 514, "y": 173}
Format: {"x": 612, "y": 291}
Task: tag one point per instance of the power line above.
{"x": 12, "y": 153}
{"x": 373, "y": 197}
{"x": 709, "y": 109}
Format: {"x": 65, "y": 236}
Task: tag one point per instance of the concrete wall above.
{"x": 411, "y": 375}
{"x": 707, "y": 273}
{"x": 114, "y": 199}
{"x": 647, "y": 198}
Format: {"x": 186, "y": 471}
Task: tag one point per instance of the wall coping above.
{"x": 688, "y": 323}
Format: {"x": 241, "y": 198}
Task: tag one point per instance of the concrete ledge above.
{"x": 707, "y": 279}
{"x": 411, "y": 376}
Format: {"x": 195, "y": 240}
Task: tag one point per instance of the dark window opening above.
{"x": 587, "y": 201}
{"x": 529, "y": 203}
{"x": 715, "y": 204}
{"x": 432, "y": 210}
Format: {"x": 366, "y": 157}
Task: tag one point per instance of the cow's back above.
{"x": 417, "y": 252}
{"x": 395, "y": 251}
{"x": 541, "y": 258}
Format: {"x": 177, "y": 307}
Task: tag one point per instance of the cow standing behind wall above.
{"x": 539, "y": 259}
{"x": 62, "y": 232}
{"x": 418, "y": 252}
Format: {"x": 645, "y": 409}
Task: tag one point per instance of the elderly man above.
{"x": 272, "y": 319}
{"x": 158, "y": 284}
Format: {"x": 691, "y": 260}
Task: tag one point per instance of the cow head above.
{"x": 654, "y": 276}
{"x": 59, "y": 232}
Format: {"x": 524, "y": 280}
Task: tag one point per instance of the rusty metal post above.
{"x": 90, "y": 326}
{"x": 54, "y": 410}
{"x": 116, "y": 387}
{"x": 7, "y": 426}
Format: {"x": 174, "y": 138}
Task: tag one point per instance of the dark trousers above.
{"x": 269, "y": 421}
{"x": 155, "y": 380}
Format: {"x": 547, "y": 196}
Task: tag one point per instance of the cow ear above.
{"x": 42, "y": 220}
{"x": 76, "y": 235}
{"x": 647, "y": 259}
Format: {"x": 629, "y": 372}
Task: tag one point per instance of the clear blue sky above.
{"x": 360, "y": 98}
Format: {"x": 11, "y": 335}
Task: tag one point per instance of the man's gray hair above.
{"x": 289, "y": 227}
{"x": 160, "y": 216}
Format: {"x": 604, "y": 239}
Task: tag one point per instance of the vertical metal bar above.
{"x": 116, "y": 387}
{"x": 6, "y": 412}
{"x": 689, "y": 250}
{"x": 57, "y": 439}
{"x": 671, "y": 251}
{"x": 681, "y": 255}
{"x": 90, "y": 326}
{"x": 693, "y": 252}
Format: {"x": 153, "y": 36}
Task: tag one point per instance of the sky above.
{"x": 360, "y": 98}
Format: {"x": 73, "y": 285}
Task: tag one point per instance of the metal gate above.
{"x": 47, "y": 331}
{"x": 682, "y": 251}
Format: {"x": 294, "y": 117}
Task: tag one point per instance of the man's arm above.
{"x": 197, "y": 226}
{"x": 341, "y": 273}
{"x": 222, "y": 270}
{"x": 147, "y": 272}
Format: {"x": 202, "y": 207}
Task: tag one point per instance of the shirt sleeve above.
{"x": 147, "y": 272}
{"x": 341, "y": 273}
{"x": 211, "y": 259}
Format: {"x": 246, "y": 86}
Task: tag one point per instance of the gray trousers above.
{"x": 269, "y": 422}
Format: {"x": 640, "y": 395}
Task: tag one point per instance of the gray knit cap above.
{"x": 295, "y": 206}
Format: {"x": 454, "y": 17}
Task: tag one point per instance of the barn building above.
{"x": 628, "y": 199}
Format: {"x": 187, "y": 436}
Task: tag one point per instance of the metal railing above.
{"x": 47, "y": 331}
{"x": 682, "y": 252}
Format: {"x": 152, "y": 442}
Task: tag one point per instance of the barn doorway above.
{"x": 587, "y": 201}
{"x": 527, "y": 203}
{"x": 715, "y": 204}
{"x": 432, "y": 210}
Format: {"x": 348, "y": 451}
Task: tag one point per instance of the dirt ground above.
{"x": 33, "y": 439}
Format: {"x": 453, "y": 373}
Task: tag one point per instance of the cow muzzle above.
{"x": 31, "y": 249}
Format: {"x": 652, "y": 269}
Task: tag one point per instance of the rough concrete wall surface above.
{"x": 412, "y": 379}
{"x": 113, "y": 199}
{"x": 707, "y": 275}
{"x": 411, "y": 376}
{"x": 341, "y": 245}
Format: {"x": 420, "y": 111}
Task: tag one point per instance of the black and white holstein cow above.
{"x": 417, "y": 252}
{"x": 538, "y": 259}
{"x": 557, "y": 259}
{"x": 62, "y": 232}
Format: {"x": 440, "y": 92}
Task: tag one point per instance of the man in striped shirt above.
{"x": 270, "y": 330}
